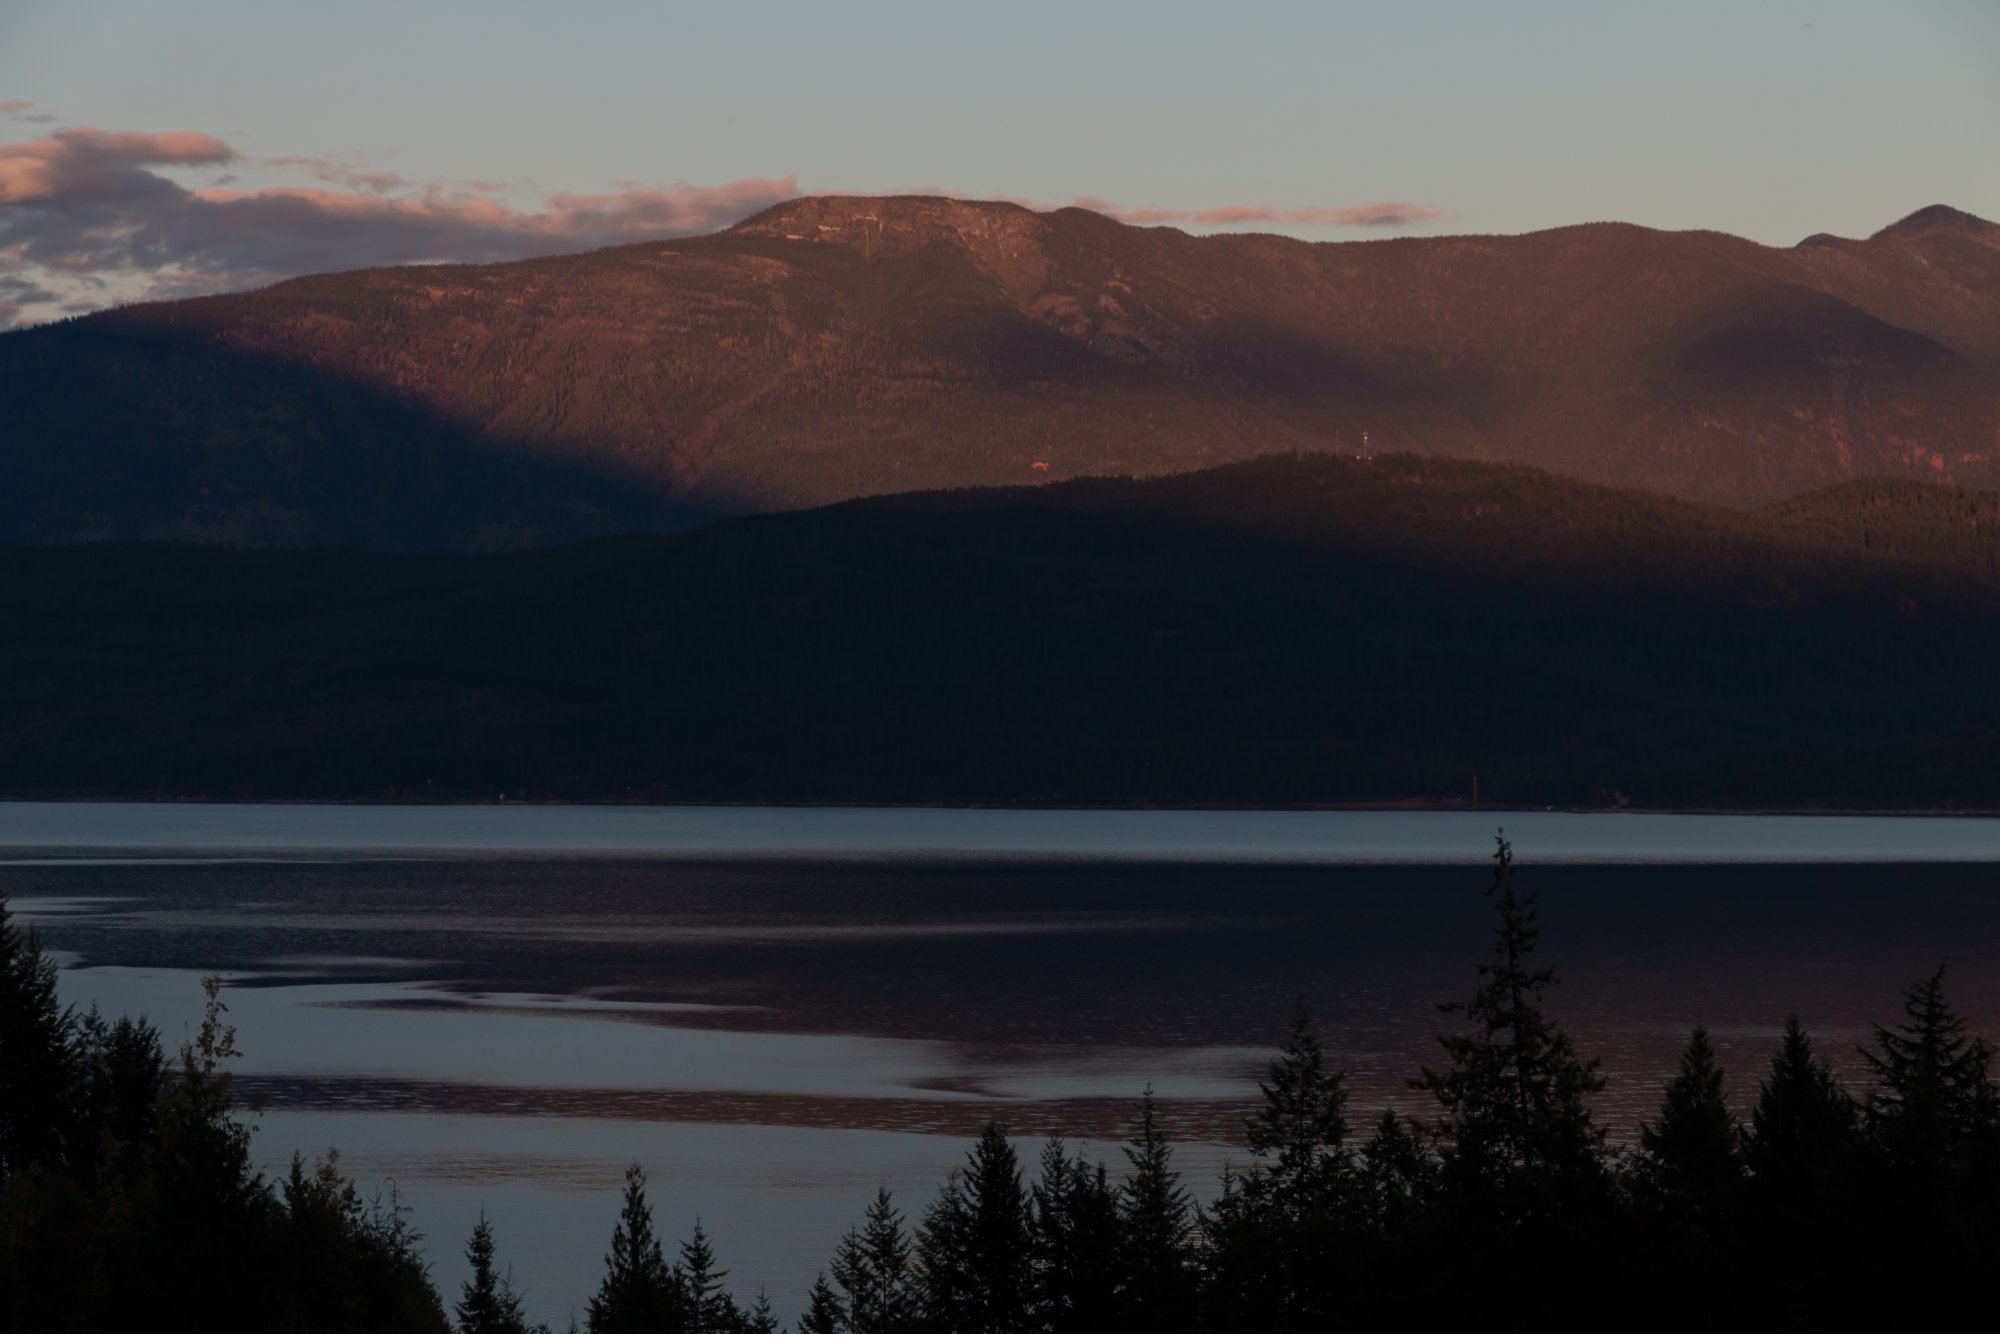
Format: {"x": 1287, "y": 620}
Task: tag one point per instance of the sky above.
{"x": 165, "y": 147}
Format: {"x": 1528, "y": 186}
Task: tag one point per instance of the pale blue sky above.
{"x": 1768, "y": 118}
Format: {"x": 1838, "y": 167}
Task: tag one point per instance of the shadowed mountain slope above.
{"x": 1287, "y": 630}
{"x": 837, "y": 347}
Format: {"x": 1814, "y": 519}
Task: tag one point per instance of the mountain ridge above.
{"x": 837, "y": 346}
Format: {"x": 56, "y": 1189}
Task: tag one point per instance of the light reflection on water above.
{"x": 776, "y": 1038}
{"x": 104, "y": 829}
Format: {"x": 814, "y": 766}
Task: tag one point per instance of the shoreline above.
{"x": 1400, "y": 806}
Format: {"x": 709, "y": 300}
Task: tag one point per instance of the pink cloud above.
{"x": 24, "y": 111}
{"x": 88, "y": 216}
{"x": 94, "y": 205}
{"x": 337, "y": 172}
{"x": 83, "y": 162}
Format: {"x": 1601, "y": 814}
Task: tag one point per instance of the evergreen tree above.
{"x": 347, "y": 1263}
{"x": 208, "y": 1203}
{"x": 1693, "y": 1154}
{"x": 761, "y": 1319}
{"x": 1933, "y": 1122}
{"x": 1396, "y": 1175}
{"x": 824, "y": 1313}
{"x": 1807, "y": 1193}
{"x": 707, "y": 1306}
{"x": 37, "y": 1040}
{"x": 1276, "y": 1231}
{"x": 1516, "y": 1128}
{"x": 198, "y": 1124}
{"x": 123, "y": 1071}
{"x": 639, "y": 1294}
{"x": 489, "y": 1304}
{"x": 1158, "y": 1220}
{"x": 1804, "y": 1133}
{"x": 874, "y": 1271}
{"x": 1934, "y": 1111}
{"x": 1299, "y": 1134}
{"x": 1074, "y": 1232}
{"x": 973, "y": 1246}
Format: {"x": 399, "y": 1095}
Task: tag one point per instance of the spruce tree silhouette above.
{"x": 37, "y": 1037}
{"x": 824, "y": 1313}
{"x": 1076, "y": 1246}
{"x": 1276, "y": 1230}
{"x": 1933, "y": 1120}
{"x": 1397, "y": 1174}
{"x": 1157, "y": 1215}
{"x": 1807, "y": 1197}
{"x": 488, "y": 1303}
{"x": 874, "y": 1270}
{"x": 123, "y": 1069}
{"x": 1805, "y": 1133}
{"x": 1934, "y": 1110}
{"x": 1686, "y": 1185}
{"x": 1299, "y": 1134}
{"x": 639, "y": 1294}
{"x": 1525, "y": 1201}
{"x": 707, "y": 1306}
{"x": 973, "y": 1246}
{"x": 1516, "y": 1129}
{"x": 1692, "y": 1159}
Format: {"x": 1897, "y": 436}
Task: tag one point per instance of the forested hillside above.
{"x": 1289, "y": 630}
{"x": 842, "y": 347}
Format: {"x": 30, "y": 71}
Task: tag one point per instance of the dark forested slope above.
{"x": 1287, "y": 630}
{"x": 840, "y": 347}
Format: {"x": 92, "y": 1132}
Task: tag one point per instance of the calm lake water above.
{"x": 778, "y": 1010}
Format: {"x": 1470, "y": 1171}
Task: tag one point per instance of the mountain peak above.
{"x": 852, "y": 217}
{"x": 1936, "y": 218}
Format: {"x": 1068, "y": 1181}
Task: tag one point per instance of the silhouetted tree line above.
{"x": 128, "y": 1199}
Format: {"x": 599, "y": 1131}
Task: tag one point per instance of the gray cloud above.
{"x": 25, "y": 111}
{"x": 83, "y": 204}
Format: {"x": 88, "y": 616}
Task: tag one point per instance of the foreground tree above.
{"x": 488, "y": 1304}
{"x": 1524, "y": 1207}
{"x": 1692, "y": 1155}
{"x": 1516, "y": 1129}
{"x": 122, "y": 1069}
{"x": 973, "y": 1246}
{"x": 1806, "y": 1187}
{"x": 824, "y": 1313}
{"x": 1934, "y": 1112}
{"x": 1077, "y": 1251}
{"x": 639, "y": 1294}
{"x": 1397, "y": 1176}
{"x": 37, "y": 1050}
{"x": 707, "y": 1306}
{"x": 1933, "y": 1125}
{"x": 1805, "y": 1138}
{"x": 874, "y": 1270}
{"x": 1157, "y": 1217}
{"x": 1276, "y": 1234}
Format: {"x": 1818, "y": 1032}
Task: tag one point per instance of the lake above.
{"x": 776, "y": 1011}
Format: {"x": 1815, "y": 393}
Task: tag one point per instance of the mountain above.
{"x": 839, "y": 347}
{"x": 1288, "y": 630}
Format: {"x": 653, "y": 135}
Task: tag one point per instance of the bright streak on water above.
{"x": 1331, "y": 837}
